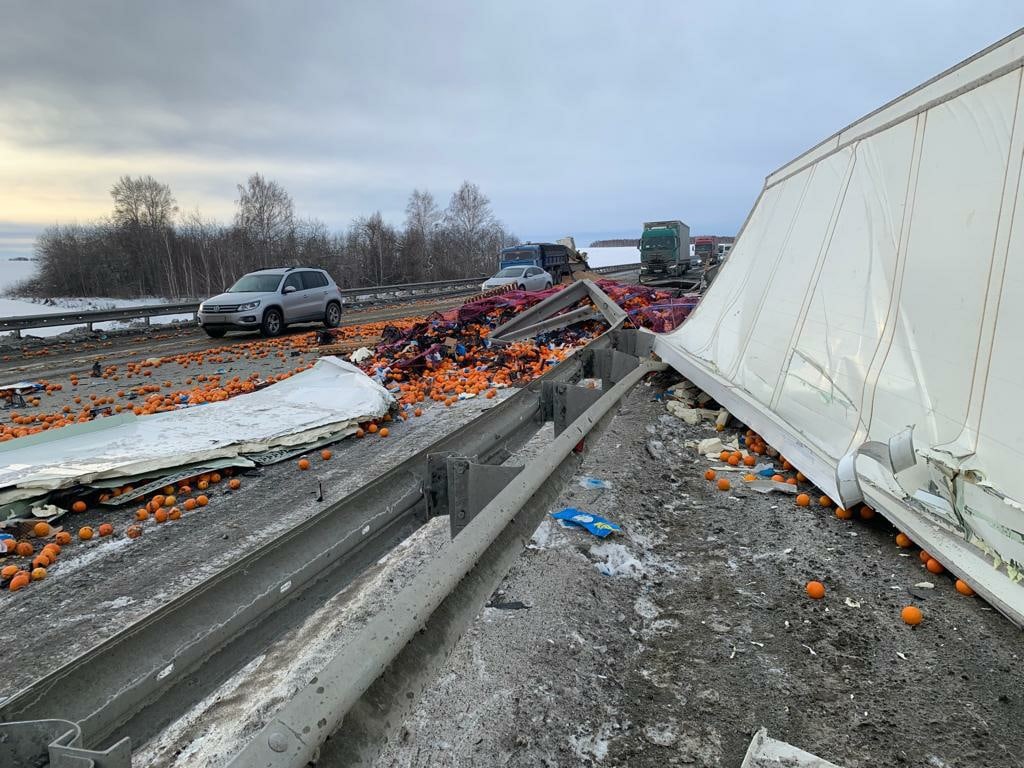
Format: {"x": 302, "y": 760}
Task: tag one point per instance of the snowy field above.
{"x": 607, "y": 257}
{"x": 13, "y": 272}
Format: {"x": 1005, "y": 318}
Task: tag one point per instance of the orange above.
{"x": 934, "y": 566}
{"x": 866, "y": 512}
{"x": 215, "y": 477}
{"x": 961, "y": 586}
{"x": 169, "y": 501}
{"x": 142, "y": 514}
{"x": 202, "y": 500}
{"x": 174, "y": 513}
{"x": 800, "y": 477}
{"x": 734, "y": 460}
{"x": 902, "y": 540}
{"x": 326, "y": 454}
{"x": 750, "y": 477}
{"x": 724, "y": 456}
{"x": 106, "y": 529}
{"x": 778, "y": 479}
{"x": 85, "y": 533}
{"x": 825, "y": 501}
{"x": 723, "y": 484}
{"x": 38, "y": 574}
{"x": 234, "y": 484}
{"x": 53, "y": 549}
{"x": 8, "y": 571}
{"x": 372, "y": 428}
{"x": 41, "y": 529}
{"x": 133, "y": 531}
{"x": 360, "y": 433}
{"x": 158, "y": 500}
{"x": 78, "y": 506}
{"x": 843, "y": 514}
{"x": 790, "y": 481}
{"x": 160, "y": 515}
{"x": 189, "y": 505}
{"x": 303, "y": 464}
{"x": 62, "y": 537}
{"x": 20, "y": 581}
{"x": 749, "y": 460}
{"x": 202, "y": 485}
{"x": 709, "y": 475}
{"x": 418, "y": 412}
{"x": 911, "y": 615}
{"x": 815, "y": 590}
{"x": 384, "y": 432}
{"x": 24, "y": 549}
{"x": 803, "y": 500}
{"x": 925, "y": 557}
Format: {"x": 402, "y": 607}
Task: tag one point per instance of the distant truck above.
{"x": 553, "y": 258}
{"x": 664, "y": 251}
{"x": 711, "y": 249}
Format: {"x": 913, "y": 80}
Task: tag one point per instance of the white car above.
{"x": 525, "y": 278}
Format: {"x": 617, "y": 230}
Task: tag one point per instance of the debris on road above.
{"x": 596, "y": 524}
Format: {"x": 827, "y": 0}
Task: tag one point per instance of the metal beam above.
{"x": 519, "y": 326}
{"x": 293, "y": 738}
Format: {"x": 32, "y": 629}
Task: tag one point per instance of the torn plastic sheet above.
{"x": 766, "y": 752}
{"x": 330, "y": 398}
{"x": 844, "y": 315}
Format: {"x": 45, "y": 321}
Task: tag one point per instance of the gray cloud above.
{"x": 574, "y": 116}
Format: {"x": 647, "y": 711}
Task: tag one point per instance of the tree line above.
{"x": 148, "y": 247}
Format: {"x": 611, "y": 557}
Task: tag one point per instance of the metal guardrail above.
{"x": 381, "y": 293}
{"x": 159, "y": 661}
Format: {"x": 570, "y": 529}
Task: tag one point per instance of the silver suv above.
{"x": 271, "y": 299}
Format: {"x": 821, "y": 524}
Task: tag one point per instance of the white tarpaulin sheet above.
{"x": 330, "y": 398}
{"x": 878, "y": 283}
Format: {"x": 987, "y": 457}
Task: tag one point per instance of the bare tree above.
{"x": 266, "y": 217}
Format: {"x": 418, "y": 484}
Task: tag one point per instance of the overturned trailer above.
{"x": 868, "y": 320}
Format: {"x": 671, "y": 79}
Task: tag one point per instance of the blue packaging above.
{"x": 596, "y": 524}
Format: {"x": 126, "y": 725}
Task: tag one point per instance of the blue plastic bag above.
{"x": 596, "y": 524}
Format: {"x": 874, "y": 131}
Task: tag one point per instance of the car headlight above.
{"x": 249, "y": 305}
{"x": 202, "y": 307}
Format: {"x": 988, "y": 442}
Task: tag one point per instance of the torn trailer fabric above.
{"x": 876, "y": 286}
{"x": 330, "y": 398}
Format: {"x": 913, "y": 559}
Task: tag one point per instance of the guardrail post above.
{"x": 89, "y": 326}
{"x": 146, "y": 319}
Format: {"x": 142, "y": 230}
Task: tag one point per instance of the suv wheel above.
{"x": 547, "y": 286}
{"x": 215, "y": 333}
{"x": 273, "y": 323}
{"x": 332, "y": 317}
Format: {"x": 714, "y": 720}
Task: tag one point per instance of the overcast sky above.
{"x": 574, "y": 116}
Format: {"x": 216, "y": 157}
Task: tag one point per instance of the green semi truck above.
{"x": 664, "y": 252}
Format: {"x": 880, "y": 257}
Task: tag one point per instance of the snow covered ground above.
{"x": 13, "y": 272}
{"x": 606, "y": 257}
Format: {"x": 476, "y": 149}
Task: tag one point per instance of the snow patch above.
{"x": 662, "y": 734}
{"x": 616, "y": 560}
{"x": 646, "y": 608}
{"x": 592, "y": 745}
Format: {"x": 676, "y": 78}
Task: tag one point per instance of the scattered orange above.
{"x": 709, "y": 475}
{"x": 169, "y": 501}
{"x": 778, "y": 479}
{"x": 749, "y": 460}
{"x": 925, "y": 557}
{"x": 133, "y": 531}
{"x": 142, "y": 514}
{"x": 815, "y": 590}
{"x": 418, "y": 412}
{"x": 934, "y": 566}
{"x": 750, "y": 477}
{"x": 964, "y": 588}
{"x": 174, "y": 513}
{"x": 202, "y": 500}
{"x": 85, "y": 533}
{"x": 866, "y": 512}
{"x": 78, "y": 506}
{"x": 384, "y": 432}
{"x": 360, "y": 433}
{"x": 303, "y": 463}
{"x": 372, "y": 428}
{"x": 189, "y": 505}
{"x": 215, "y": 478}
{"x": 38, "y": 574}
{"x": 800, "y": 477}
{"x": 234, "y": 483}
{"x": 902, "y": 540}
{"x": 158, "y": 500}
{"x": 20, "y": 581}
{"x": 326, "y": 454}
{"x": 723, "y": 484}
{"x": 8, "y": 571}
{"x": 724, "y": 456}
{"x": 160, "y": 515}
{"x": 843, "y": 514}
{"x": 803, "y": 500}
{"x": 734, "y": 460}
{"x": 62, "y": 538}
{"x": 24, "y": 549}
{"x": 106, "y": 529}
{"x": 825, "y": 501}
{"x": 911, "y": 615}
{"x": 41, "y": 529}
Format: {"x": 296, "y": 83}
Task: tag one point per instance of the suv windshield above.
{"x": 256, "y": 284}
{"x": 511, "y": 272}
{"x": 662, "y": 242}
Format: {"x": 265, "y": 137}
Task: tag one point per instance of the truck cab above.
{"x": 664, "y": 251}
